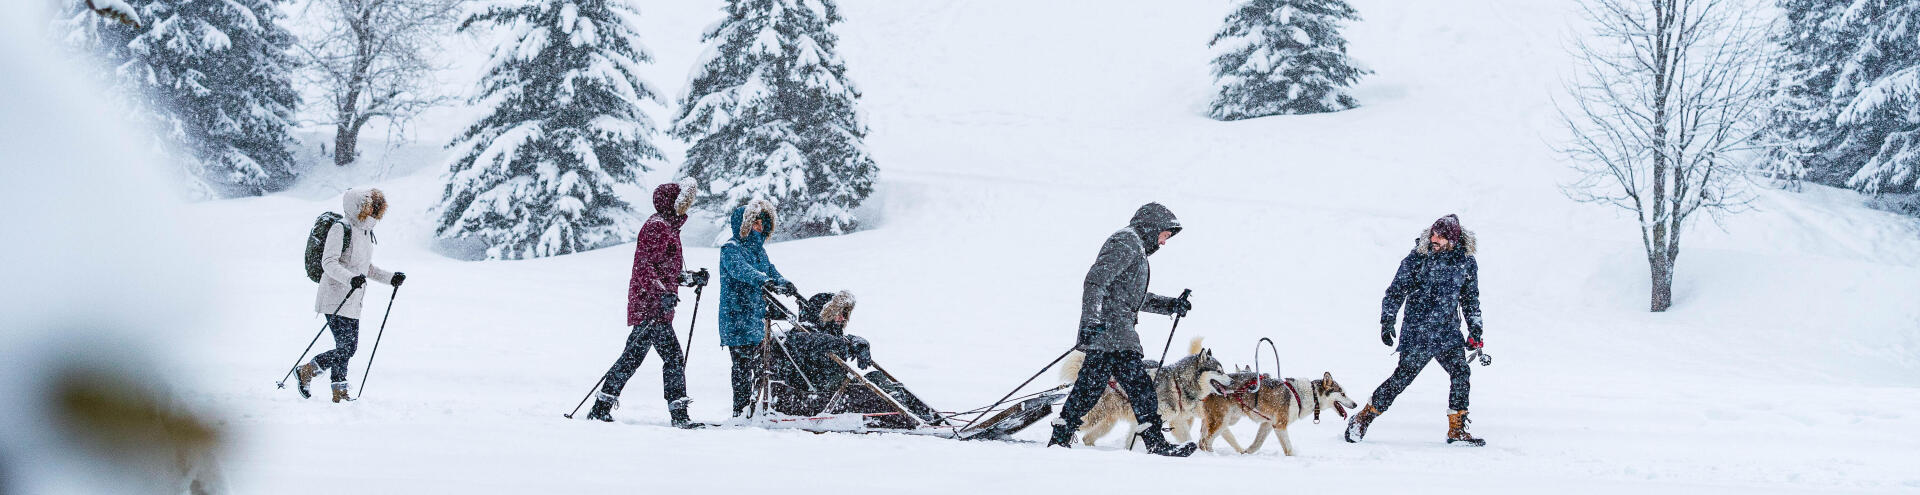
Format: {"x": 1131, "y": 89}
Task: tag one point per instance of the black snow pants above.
{"x": 746, "y": 364}
{"x": 346, "y": 339}
{"x": 645, "y": 336}
{"x": 1124, "y": 368}
{"x": 1454, "y": 360}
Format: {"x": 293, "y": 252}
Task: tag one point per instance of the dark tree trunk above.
{"x": 1662, "y": 284}
{"x": 346, "y": 143}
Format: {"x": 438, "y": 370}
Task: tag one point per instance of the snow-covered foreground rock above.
{"x": 1013, "y": 137}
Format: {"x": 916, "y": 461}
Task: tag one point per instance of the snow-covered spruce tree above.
{"x": 212, "y": 77}
{"x": 535, "y": 177}
{"x": 1879, "y": 92}
{"x": 1812, "y": 42}
{"x": 771, "y": 114}
{"x": 1283, "y": 57}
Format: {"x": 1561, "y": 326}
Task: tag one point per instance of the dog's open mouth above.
{"x": 1220, "y": 388}
{"x": 1340, "y": 409}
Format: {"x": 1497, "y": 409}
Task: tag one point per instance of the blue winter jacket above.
{"x": 1436, "y": 288}
{"x": 744, "y": 267}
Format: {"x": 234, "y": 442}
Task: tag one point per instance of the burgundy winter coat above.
{"x": 656, "y": 260}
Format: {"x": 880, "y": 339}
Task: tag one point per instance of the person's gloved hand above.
{"x": 1086, "y": 336}
{"x": 1386, "y": 333}
{"x": 1181, "y": 306}
{"x": 861, "y": 350}
{"x": 786, "y": 287}
{"x": 358, "y": 281}
{"x": 669, "y": 301}
{"x": 1474, "y": 341}
{"x": 771, "y": 286}
{"x": 398, "y": 278}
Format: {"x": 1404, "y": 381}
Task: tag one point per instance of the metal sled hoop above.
{"x": 1275, "y": 352}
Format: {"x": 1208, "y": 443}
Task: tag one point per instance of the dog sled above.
{"x": 810, "y": 378}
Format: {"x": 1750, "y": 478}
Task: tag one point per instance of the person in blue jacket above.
{"x": 745, "y": 271}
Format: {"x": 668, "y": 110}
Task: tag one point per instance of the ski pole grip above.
{"x": 1186, "y": 293}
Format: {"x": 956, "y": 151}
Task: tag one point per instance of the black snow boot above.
{"x": 678, "y": 409}
{"x": 1157, "y": 442}
{"x": 1062, "y": 435}
{"x": 603, "y": 408}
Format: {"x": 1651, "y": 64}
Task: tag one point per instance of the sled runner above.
{"x": 804, "y": 383}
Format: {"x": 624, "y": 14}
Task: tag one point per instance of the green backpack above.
{"x": 317, "y": 242}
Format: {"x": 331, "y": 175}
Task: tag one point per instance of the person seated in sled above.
{"x": 818, "y": 337}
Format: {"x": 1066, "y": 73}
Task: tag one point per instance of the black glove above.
{"x": 693, "y": 278}
{"x": 399, "y": 277}
{"x": 1386, "y": 333}
{"x": 1473, "y": 339}
{"x": 771, "y": 286}
{"x": 669, "y": 301}
{"x": 861, "y": 350}
{"x": 358, "y": 281}
{"x": 1086, "y": 336}
{"x": 1181, "y": 306}
{"x": 786, "y": 287}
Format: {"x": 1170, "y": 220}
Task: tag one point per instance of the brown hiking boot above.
{"x": 1357, "y": 428}
{"x": 306, "y": 374}
{"x": 340, "y": 392}
{"x": 1457, "y": 429}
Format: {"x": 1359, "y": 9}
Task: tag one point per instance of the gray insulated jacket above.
{"x": 1115, "y": 291}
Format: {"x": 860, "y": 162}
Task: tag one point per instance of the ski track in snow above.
{"x": 1013, "y": 137}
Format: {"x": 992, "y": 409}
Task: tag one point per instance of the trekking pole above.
{"x": 1176, "y": 328}
{"x": 688, "y": 354}
{"x": 376, "y": 342}
{"x": 1016, "y": 390}
{"x": 583, "y": 400}
{"x": 316, "y": 339}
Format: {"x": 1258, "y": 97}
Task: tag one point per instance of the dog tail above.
{"x": 1194, "y": 347}
{"x": 1070, "y": 367}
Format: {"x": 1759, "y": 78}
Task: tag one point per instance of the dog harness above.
{"x": 1239, "y": 397}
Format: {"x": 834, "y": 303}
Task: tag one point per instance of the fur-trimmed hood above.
{"x": 841, "y": 304}
{"x": 356, "y": 200}
{"x": 1424, "y": 244}
{"x": 822, "y": 308}
{"x": 745, "y": 214}
{"x": 673, "y": 199}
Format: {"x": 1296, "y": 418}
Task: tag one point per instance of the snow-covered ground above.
{"x": 1013, "y": 136}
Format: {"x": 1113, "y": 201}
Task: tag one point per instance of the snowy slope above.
{"x": 1013, "y": 136}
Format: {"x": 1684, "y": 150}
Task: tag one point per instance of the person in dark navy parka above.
{"x": 1438, "y": 285}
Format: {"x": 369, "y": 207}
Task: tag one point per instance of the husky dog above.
{"x": 1274, "y": 403}
{"x": 1181, "y": 387}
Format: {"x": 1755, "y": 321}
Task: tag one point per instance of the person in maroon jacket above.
{"x": 652, "y": 294}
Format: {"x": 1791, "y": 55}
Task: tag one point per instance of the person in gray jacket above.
{"x": 347, "y": 268}
{"x": 1114, "y": 294}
